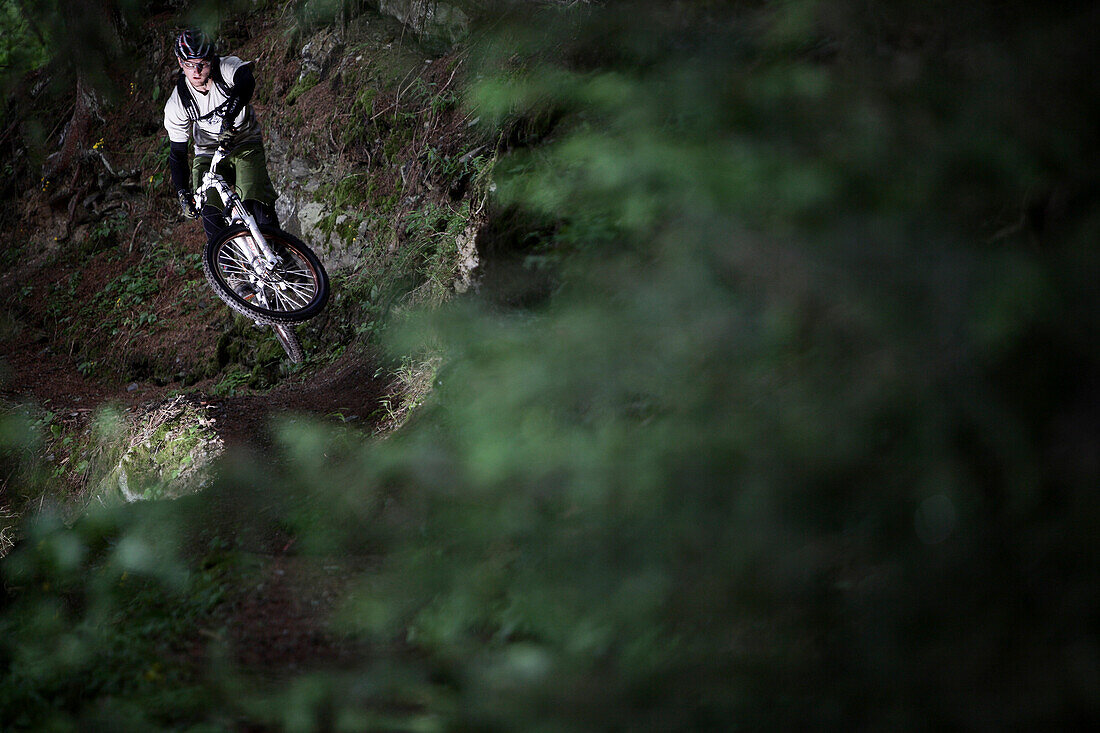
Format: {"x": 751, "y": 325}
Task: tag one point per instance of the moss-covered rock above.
{"x": 165, "y": 451}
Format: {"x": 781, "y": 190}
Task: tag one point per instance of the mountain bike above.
{"x": 261, "y": 272}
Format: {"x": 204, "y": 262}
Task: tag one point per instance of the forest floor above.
{"x": 349, "y": 388}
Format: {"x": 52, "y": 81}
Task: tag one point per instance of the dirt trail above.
{"x": 348, "y": 390}
{"x": 278, "y": 622}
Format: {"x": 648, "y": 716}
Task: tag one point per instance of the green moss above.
{"x": 348, "y": 192}
{"x": 232, "y": 381}
{"x": 161, "y": 454}
{"x": 303, "y": 85}
{"x": 360, "y": 121}
{"x": 400, "y": 135}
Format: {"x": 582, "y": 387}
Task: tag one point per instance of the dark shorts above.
{"x": 245, "y": 169}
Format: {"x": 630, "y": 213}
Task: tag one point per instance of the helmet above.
{"x": 193, "y": 44}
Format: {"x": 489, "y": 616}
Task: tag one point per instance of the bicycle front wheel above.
{"x": 295, "y": 291}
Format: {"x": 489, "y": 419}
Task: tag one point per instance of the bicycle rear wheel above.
{"x": 295, "y": 291}
{"x": 289, "y": 340}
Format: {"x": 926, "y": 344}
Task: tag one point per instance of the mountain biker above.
{"x": 210, "y": 103}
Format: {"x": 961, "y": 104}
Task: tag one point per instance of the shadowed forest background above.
{"x": 786, "y": 414}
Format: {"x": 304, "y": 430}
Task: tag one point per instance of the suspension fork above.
{"x": 263, "y": 258}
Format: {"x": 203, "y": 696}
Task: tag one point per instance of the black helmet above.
{"x": 193, "y": 44}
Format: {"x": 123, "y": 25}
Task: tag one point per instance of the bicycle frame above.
{"x": 264, "y": 260}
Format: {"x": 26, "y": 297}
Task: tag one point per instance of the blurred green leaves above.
{"x": 807, "y": 434}
{"x": 780, "y": 428}
{"x": 20, "y": 49}
{"x": 94, "y": 622}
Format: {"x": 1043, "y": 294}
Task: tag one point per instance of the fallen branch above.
{"x": 133, "y": 236}
{"x": 396, "y": 101}
{"x": 103, "y": 158}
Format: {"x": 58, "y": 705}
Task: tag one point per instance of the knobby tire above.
{"x": 307, "y": 291}
{"x": 289, "y": 340}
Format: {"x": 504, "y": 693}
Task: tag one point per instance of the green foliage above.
{"x": 124, "y": 303}
{"x": 126, "y": 294}
{"x": 250, "y": 357}
{"x": 21, "y": 49}
{"x": 431, "y": 234}
{"x": 106, "y": 232}
{"x": 52, "y": 30}
{"x": 779, "y": 440}
{"x": 805, "y": 438}
{"x": 101, "y": 613}
{"x": 362, "y": 110}
{"x": 231, "y": 382}
{"x": 21, "y": 437}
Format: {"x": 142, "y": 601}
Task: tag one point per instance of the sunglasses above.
{"x": 201, "y": 64}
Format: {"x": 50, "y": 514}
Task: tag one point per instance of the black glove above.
{"x": 229, "y": 112}
{"x": 187, "y": 205}
{"x": 225, "y": 137}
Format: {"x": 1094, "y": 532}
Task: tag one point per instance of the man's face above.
{"x": 197, "y": 71}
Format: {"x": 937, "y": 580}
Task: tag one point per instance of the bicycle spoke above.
{"x": 232, "y": 268}
{"x": 300, "y": 272}
{"x": 293, "y": 303}
{"x": 301, "y": 289}
{"x": 233, "y": 259}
